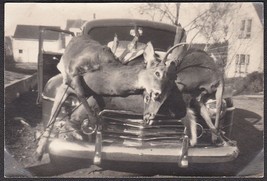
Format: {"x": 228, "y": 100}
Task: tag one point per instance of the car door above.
{"x": 49, "y": 58}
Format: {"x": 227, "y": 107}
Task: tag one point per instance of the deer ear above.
{"x": 149, "y": 55}
{"x": 172, "y": 70}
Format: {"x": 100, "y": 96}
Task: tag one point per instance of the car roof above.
{"x": 127, "y": 22}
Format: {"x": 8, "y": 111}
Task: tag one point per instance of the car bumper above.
{"x": 119, "y": 152}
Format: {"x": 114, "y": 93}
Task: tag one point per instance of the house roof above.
{"x": 32, "y": 32}
{"x": 74, "y": 23}
{"x": 259, "y": 9}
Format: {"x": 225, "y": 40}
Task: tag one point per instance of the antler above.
{"x": 171, "y": 49}
{"x": 179, "y": 40}
{"x": 115, "y": 43}
{"x": 132, "y": 44}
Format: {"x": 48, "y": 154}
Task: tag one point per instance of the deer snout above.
{"x": 155, "y": 95}
{"x": 148, "y": 118}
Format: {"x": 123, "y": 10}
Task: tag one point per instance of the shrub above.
{"x": 256, "y": 82}
{"x": 252, "y": 83}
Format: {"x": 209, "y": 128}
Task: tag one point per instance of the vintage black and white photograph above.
{"x": 134, "y": 90}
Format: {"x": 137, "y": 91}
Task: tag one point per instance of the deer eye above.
{"x": 146, "y": 99}
{"x": 157, "y": 73}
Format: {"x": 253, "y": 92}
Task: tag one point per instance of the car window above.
{"x": 161, "y": 39}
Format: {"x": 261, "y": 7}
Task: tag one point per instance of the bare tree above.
{"x": 8, "y": 51}
{"x": 161, "y": 11}
{"x": 213, "y": 24}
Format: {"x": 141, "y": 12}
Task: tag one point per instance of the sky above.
{"x": 56, "y": 14}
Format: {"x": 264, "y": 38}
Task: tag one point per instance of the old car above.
{"x": 123, "y": 137}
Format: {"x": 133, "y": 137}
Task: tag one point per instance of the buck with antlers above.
{"x": 197, "y": 75}
{"x": 92, "y": 69}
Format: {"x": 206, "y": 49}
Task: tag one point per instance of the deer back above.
{"x": 196, "y": 71}
{"x": 84, "y": 55}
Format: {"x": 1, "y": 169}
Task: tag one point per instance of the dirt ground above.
{"x": 23, "y": 119}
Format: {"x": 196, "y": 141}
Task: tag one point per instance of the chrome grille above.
{"x": 128, "y": 128}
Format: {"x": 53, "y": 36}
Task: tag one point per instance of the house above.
{"x": 244, "y": 35}
{"x": 246, "y": 42}
{"x": 26, "y": 42}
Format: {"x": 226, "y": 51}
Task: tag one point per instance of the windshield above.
{"x": 162, "y": 40}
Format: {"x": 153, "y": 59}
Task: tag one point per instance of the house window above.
{"x": 247, "y": 63}
{"x": 241, "y": 63}
{"x": 20, "y": 51}
{"x": 247, "y": 59}
{"x": 245, "y": 29}
{"x": 242, "y": 59}
{"x": 236, "y": 63}
{"x": 248, "y": 32}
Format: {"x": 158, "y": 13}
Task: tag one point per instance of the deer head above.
{"x": 157, "y": 80}
{"x": 161, "y": 86}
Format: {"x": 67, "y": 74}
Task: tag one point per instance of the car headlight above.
{"x": 211, "y": 106}
{"x": 69, "y": 104}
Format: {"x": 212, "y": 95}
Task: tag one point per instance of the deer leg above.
{"x": 59, "y": 99}
{"x": 205, "y": 114}
{"x": 189, "y": 122}
{"x": 218, "y": 96}
{"x": 76, "y": 83}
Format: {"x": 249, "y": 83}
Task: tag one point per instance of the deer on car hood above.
{"x": 90, "y": 68}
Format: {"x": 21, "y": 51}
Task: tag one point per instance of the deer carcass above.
{"x": 199, "y": 75}
{"x": 92, "y": 69}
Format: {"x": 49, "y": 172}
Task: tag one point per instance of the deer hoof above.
{"x": 41, "y": 148}
{"x": 77, "y": 136}
{"x": 193, "y": 142}
{"x": 38, "y": 156}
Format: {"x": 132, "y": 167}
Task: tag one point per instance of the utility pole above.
{"x": 94, "y": 16}
{"x": 177, "y": 13}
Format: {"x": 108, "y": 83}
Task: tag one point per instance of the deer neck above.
{"x": 132, "y": 78}
{"x": 141, "y": 80}
{"x": 115, "y": 79}
{"x": 125, "y": 80}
